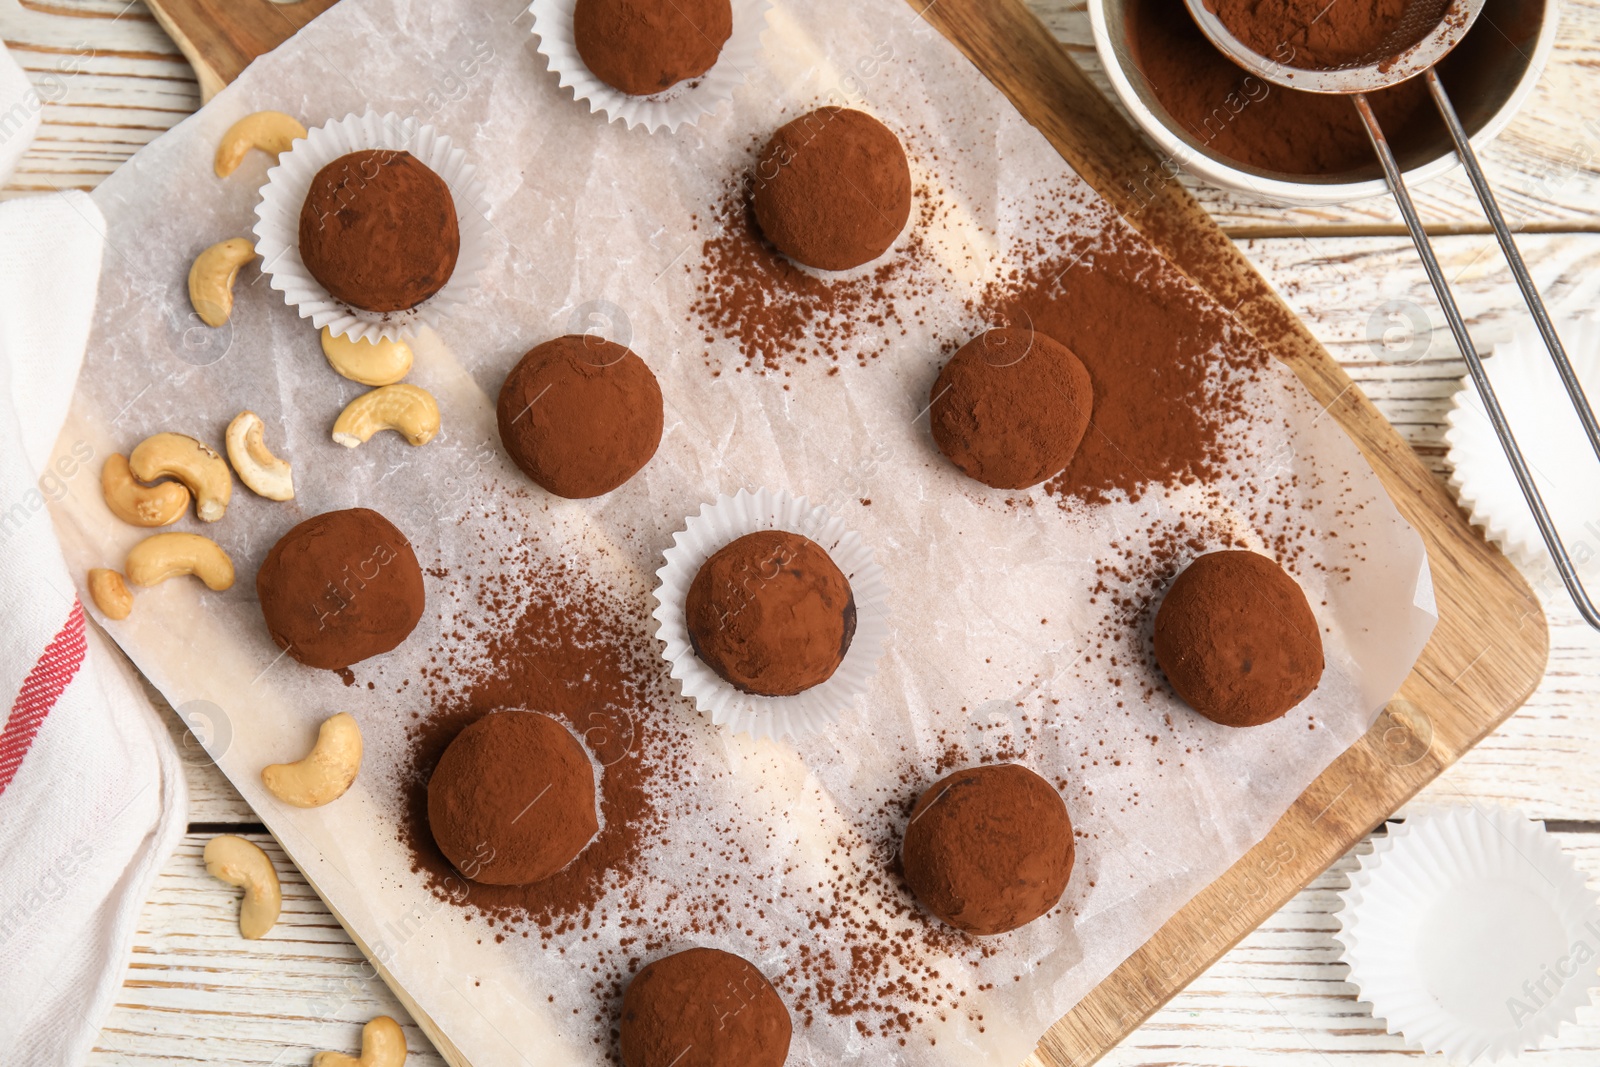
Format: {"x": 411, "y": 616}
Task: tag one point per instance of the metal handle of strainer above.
{"x": 1370, "y": 75}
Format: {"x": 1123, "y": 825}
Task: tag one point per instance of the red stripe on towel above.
{"x": 51, "y": 674}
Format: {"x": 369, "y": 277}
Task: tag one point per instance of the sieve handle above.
{"x": 1458, "y": 327}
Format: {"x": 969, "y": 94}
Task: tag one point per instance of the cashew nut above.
{"x": 262, "y": 472}
{"x": 211, "y": 278}
{"x": 327, "y": 770}
{"x": 238, "y": 862}
{"x": 169, "y": 555}
{"x": 367, "y": 362}
{"x": 110, "y": 593}
{"x": 140, "y": 505}
{"x": 409, "y": 409}
{"x": 383, "y": 1044}
{"x": 196, "y": 465}
{"x": 270, "y": 131}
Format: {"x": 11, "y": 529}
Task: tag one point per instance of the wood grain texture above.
{"x": 1491, "y": 633}
{"x": 221, "y": 37}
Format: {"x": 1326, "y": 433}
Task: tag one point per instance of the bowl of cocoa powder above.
{"x": 1213, "y": 119}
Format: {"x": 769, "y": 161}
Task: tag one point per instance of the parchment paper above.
{"x": 591, "y": 219}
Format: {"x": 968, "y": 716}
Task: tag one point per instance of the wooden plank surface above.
{"x": 1537, "y": 759}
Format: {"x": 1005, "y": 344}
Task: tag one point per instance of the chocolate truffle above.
{"x": 378, "y": 230}
{"x": 1237, "y": 640}
{"x": 771, "y": 613}
{"x": 339, "y": 588}
{"x": 703, "y": 1008}
{"x": 989, "y": 849}
{"x": 832, "y": 189}
{"x": 644, "y": 46}
{"x": 513, "y": 799}
{"x": 580, "y": 415}
{"x": 1011, "y": 407}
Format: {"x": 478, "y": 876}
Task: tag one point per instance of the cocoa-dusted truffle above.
{"x": 989, "y": 849}
{"x": 1237, "y": 640}
{"x": 378, "y": 229}
{"x": 513, "y": 799}
{"x": 771, "y": 613}
{"x": 703, "y": 1008}
{"x": 1011, "y": 407}
{"x": 644, "y": 46}
{"x": 340, "y": 587}
{"x": 580, "y": 415}
{"x": 832, "y": 189}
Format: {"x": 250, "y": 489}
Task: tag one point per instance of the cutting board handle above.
{"x": 221, "y": 37}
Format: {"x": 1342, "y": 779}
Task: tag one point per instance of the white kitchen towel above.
{"x": 92, "y": 794}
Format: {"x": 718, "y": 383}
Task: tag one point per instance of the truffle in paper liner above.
{"x": 728, "y": 519}
{"x": 277, "y": 226}
{"x": 678, "y": 105}
{"x": 1550, "y": 436}
{"x": 1471, "y": 933}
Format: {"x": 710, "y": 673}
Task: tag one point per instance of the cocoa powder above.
{"x": 1324, "y": 34}
{"x": 1243, "y": 118}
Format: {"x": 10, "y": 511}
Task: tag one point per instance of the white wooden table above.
{"x": 110, "y": 81}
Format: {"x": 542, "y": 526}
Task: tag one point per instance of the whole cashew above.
{"x": 262, "y": 472}
{"x": 196, "y": 465}
{"x": 141, "y": 505}
{"x": 169, "y": 555}
{"x": 211, "y": 278}
{"x": 270, "y": 131}
{"x": 409, "y": 409}
{"x": 383, "y": 1044}
{"x": 367, "y": 362}
{"x": 110, "y": 593}
{"x": 326, "y": 771}
{"x": 238, "y": 862}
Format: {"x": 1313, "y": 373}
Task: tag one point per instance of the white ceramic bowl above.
{"x": 1504, "y": 73}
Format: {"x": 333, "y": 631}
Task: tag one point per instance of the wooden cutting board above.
{"x": 1486, "y": 655}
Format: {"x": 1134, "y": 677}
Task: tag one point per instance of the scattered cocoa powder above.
{"x": 832, "y": 189}
{"x": 771, "y": 613}
{"x": 645, "y": 46}
{"x": 340, "y": 587}
{"x": 1237, "y": 640}
{"x": 378, "y": 229}
{"x": 1010, "y": 407}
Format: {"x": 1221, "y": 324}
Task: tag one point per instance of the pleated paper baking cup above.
{"x": 728, "y": 519}
{"x": 1550, "y": 436}
{"x": 682, "y": 104}
{"x": 1471, "y": 934}
{"x": 277, "y": 226}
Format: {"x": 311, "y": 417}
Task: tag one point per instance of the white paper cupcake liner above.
{"x": 729, "y": 518}
{"x": 277, "y": 226}
{"x": 1471, "y": 933}
{"x": 1550, "y": 436}
{"x": 682, "y": 104}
